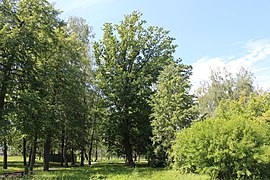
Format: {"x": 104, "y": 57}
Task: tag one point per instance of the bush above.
{"x": 224, "y": 148}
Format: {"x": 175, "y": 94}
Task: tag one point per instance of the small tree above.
{"x": 173, "y": 108}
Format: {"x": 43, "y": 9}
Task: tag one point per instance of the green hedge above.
{"x": 226, "y": 149}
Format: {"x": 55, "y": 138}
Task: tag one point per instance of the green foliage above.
{"x": 129, "y": 59}
{"x": 223, "y": 85}
{"x": 233, "y": 144}
{"x": 173, "y": 108}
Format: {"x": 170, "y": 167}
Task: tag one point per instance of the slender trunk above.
{"x": 65, "y": 154}
{"x": 128, "y": 150}
{"x": 47, "y": 147}
{"x": 62, "y": 148}
{"x": 72, "y": 157}
{"x": 2, "y": 103}
{"x": 5, "y": 149}
{"x": 33, "y": 154}
{"x": 86, "y": 156}
{"x": 135, "y": 156}
{"x": 24, "y": 152}
{"x": 101, "y": 152}
{"x": 91, "y": 147}
{"x": 30, "y": 154}
{"x": 96, "y": 153}
{"x": 82, "y": 156}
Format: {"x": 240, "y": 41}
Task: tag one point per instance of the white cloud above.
{"x": 256, "y": 59}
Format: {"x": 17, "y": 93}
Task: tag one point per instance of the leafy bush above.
{"x": 224, "y": 148}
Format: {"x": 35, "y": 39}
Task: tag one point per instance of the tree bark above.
{"x": 72, "y": 157}
{"x": 30, "y": 154}
{"x": 65, "y": 154}
{"x": 96, "y": 153}
{"x": 62, "y": 147}
{"x": 33, "y": 154}
{"x": 86, "y": 156}
{"x": 47, "y": 147}
{"x": 135, "y": 156}
{"x": 2, "y": 103}
{"x": 5, "y": 149}
{"x": 82, "y": 156}
{"x": 24, "y": 152}
{"x": 91, "y": 147}
{"x": 128, "y": 150}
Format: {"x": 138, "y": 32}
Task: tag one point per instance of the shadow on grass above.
{"x": 97, "y": 171}
{"x": 101, "y": 170}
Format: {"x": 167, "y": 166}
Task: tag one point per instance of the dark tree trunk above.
{"x": 72, "y": 157}
{"x": 62, "y": 147}
{"x": 30, "y": 154}
{"x": 24, "y": 152}
{"x": 86, "y": 156}
{"x": 96, "y": 152}
{"x": 33, "y": 154}
{"x": 47, "y": 147}
{"x": 5, "y": 149}
{"x": 82, "y": 156}
{"x": 65, "y": 154}
{"x": 128, "y": 150}
{"x": 91, "y": 147}
{"x": 2, "y": 103}
{"x": 135, "y": 156}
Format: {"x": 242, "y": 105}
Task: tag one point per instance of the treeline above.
{"x": 46, "y": 98}
{"x": 61, "y": 92}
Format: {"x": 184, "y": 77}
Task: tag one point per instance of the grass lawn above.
{"x": 102, "y": 170}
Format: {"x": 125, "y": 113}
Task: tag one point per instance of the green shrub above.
{"x": 234, "y": 148}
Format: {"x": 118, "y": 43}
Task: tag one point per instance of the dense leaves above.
{"x": 173, "y": 108}
{"x": 129, "y": 58}
{"x": 233, "y": 144}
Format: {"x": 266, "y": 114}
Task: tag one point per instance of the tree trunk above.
{"x": 82, "y": 156}
{"x": 86, "y": 156}
{"x": 62, "y": 147}
{"x": 91, "y": 147}
{"x": 96, "y": 153}
{"x": 33, "y": 154}
{"x": 5, "y": 149}
{"x": 128, "y": 150}
{"x": 65, "y": 154}
{"x": 2, "y": 103}
{"x": 135, "y": 156}
{"x": 47, "y": 147}
{"x": 72, "y": 157}
{"x": 24, "y": 152}
{"x": 30, "y": 154}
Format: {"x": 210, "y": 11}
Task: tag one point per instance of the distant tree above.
{"x": 129, "y": 59}
{"x": 173, "y": 108}
{"x": 223, "y": 85}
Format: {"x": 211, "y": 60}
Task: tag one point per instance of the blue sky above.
{"x": 210, "y": 33}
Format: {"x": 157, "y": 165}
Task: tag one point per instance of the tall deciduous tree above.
{"x": 173, "y": 108}
{"x": 26, "y": 30}
{"x": 129, "y": 59}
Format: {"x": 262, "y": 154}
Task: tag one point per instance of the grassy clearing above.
{"x": 102, "y": 170}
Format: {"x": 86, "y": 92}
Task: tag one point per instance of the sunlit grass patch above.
{"x": 113, "y": 169}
